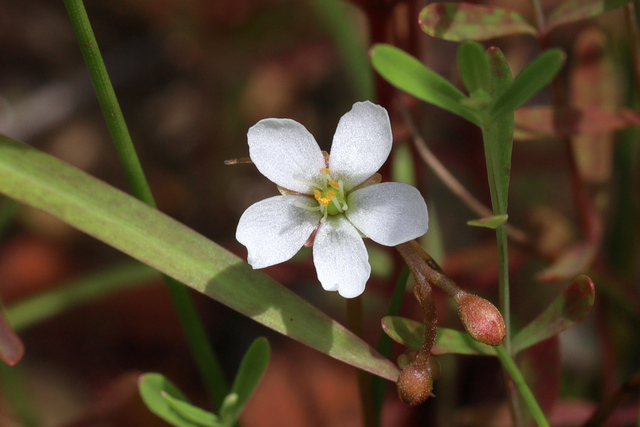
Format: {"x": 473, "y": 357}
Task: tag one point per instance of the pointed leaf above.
{"x": 127, "y": 224}
{"x": 160, "y": 395}
{"x": 411, "y": 334}
{"x": 11, "y": 346}
{"x": 565, "y": 311}
{"x": 576, "y": 10}
{"x": 408, "y": 74}
{"x": 498, "y": 134}
{"x": 467, "y": 21}
{"x": 534, "y": 77}
{"x": 473, "y": 66}
{"x": 490, "y": 221}
{"x": 249, "y": 374}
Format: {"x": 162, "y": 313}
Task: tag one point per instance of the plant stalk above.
{"x": 528, "y": 397}
{"x": 200, "y": 346}
{"x": 355, "y": 323}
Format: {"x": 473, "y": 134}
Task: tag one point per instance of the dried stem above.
{"x": 515, "y": 234}
{"x": 607, "y": 407}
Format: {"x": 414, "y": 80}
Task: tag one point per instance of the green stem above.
{"x": 200, "y": 346}
{"x": 354, "y": 321}
{"x": 503, "y": 283}
{"x": 527, "y": 396}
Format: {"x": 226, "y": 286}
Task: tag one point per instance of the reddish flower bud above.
{"x": 481, "y": 319}
{"x": 415, "y": 382}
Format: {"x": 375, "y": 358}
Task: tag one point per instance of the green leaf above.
{"x": 498, "y": 135}
{"x": 473, "y": 66}
{"x": 568, "y": 309}
{"x": 150, "y": 236}
{"x": 192, "y": 413}
{"x": 161, "y": 397}
{"x": 60, "y": 299}
{"x": 249, "y": 374}
{"x": 466, "y": 21}
{"x": 411, "y": 334}
{"x": 534, "y": 77}
{"x": 408, "y": 74}
{"x": 489, "y": 222}
{"x": 576, "y": 10}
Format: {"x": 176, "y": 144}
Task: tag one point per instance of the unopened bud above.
{"x": 481, "y": 319}
{"x": 415, "y": 383}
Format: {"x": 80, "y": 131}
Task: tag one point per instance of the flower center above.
{"x": 329, "y": 194}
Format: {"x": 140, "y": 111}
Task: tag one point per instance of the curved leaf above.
{"x": 565, "y": 311}
{"x": 129, "y": 225}
{"x": 165, "y": 400}
{"x": 467, "y": 21}
{"x": 410, "y": 75}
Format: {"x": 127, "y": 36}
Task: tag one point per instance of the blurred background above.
{"x": 192, "y": 77}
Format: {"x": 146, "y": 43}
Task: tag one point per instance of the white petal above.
{"x": 274, "y": 229}
{"x": 340, "y": 257}
{"x": 285, "y": 152}
{"x": 361, "y": 144}
{"x": 389, "y": 213}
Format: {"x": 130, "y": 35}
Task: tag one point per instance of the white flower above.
{"x": 332, "y": 197}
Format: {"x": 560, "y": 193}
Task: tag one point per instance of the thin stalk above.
{"x": 354, "y": 321}
{"x": 539, "y": 16}
{"x": 503, "y": 283}
{"x": 201, "y": 348}
{"x": 385, "y": 343}
{"x": 527, "y": 396}
{"x": 8, "y": 211}
{"x": 633, "y": 29}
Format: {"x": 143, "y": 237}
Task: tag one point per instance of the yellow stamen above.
{"x": 326, "y": 170}
{"x": 334, "y": 184}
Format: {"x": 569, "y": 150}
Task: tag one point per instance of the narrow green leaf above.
{"x": 489, "y": 222}
{"x": 534, "y": 77}
{"x": 467, "y": 21}
{"x": 568, "y": 309}
{"x": 410, "y": 75}
{"x": 125, "y": 223}
{"x": 577, "y": 10}
{"x": 191, "y": 412}
{"x": 498, "y": 135}
{"x": 249, "y": 374}
{"x": 62, "y": 298}
{"x": 154, "y": 388}
{"x": 473, "y": 66}
{"x": 411, "y": 334}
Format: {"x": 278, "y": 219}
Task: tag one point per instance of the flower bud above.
{"x": 481, "y": 319}
{"x": 415, "y": 382}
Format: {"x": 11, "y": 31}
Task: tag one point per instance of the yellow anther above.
{"x": 334, "y": 184}
{"x": 326, "y": 170}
